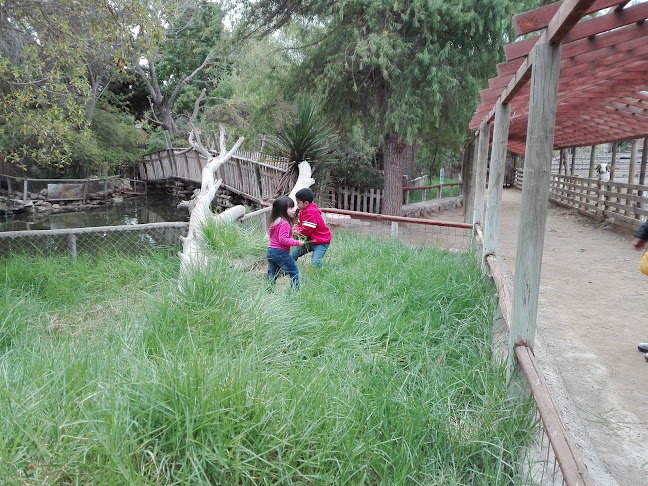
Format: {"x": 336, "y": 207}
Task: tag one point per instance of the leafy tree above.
{"x": 176, "y": 57}
{"x": 56, "y": 57}
{"x": 410, "y": 69}
{"x": 254, "y": 97}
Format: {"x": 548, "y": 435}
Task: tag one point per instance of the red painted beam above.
{"x": 539, "y": 18}
{"x": 585, "y": 29}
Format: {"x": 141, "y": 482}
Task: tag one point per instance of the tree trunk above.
{"x": 394, "y": 152}
{"x": 409, "y": 160}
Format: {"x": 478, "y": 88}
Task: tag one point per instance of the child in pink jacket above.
{"x": 279, "y": 229}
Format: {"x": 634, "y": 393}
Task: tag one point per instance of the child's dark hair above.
{"x": 305, "y": 195}
{"x": 280, "y": 209}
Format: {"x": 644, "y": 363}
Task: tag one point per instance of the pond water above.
{"x": 134, "y": 210}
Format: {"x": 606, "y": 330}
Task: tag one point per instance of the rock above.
{"x": 431, "y": 207}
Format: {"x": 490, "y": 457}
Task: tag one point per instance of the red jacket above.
{"x": 311, "y": 225}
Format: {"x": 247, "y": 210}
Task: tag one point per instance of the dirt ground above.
{"x": 591, "y": 315}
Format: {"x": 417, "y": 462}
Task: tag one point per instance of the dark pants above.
{"x": 279, "y": 259}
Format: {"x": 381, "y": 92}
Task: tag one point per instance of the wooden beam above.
{"x": 535, "y": 197}
{"x": 496, "y": 179}
{"x": 539, "y": 18}
{"x": 585, "y": 29}
{"x": 480, "y": 172}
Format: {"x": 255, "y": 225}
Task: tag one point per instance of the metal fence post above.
{"x": 72, "y": 245}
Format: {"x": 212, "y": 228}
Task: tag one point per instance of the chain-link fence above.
{"x": 134, "y": 239}
{"x": 128, "y": 239}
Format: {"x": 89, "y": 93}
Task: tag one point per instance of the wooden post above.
{"x": 590, "y": 173}
{"x": 634, "y": 148}
{"x": 9, "y": 182}
{"x": 615, "y": 147}
{"x": 535, "y": 197}
{"x": 72, "y": 245}
{"x": 480, "y": 172}
{"x": 467, "y": 174}
{"x": 573, "y": 161}
{"x": 642, "y": 169}
{"x": 631, "y": 177}
{"x": 257, "y": 172}
{"x": 496, "y": 179}
{"x": 394, "y": 229}
{"x": 644, "y": 159}
{"x": 25, "y": 190}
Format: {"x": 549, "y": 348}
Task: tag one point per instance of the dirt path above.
{"x": 591, "y": 315}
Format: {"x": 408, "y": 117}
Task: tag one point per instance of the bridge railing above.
{"x": 247, "y": 174}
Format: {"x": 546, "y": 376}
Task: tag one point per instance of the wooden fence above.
{"x": 367, "y": 201}
{"x": 625, "y": 204}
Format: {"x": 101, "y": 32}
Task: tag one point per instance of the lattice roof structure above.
{"x": 603, "y": 87}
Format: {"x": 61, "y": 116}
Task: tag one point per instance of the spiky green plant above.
{"x": 309, "y": 138}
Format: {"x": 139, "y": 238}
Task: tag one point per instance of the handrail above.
{"x": 401, "y": 219}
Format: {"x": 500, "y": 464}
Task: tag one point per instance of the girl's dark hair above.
{"x": 280, "y": 209}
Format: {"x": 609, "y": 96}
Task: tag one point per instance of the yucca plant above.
{"x": 309, "y": 138}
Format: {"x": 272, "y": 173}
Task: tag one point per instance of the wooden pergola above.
{"x": 580, "y": 80}
{"x": 603, "y": 83}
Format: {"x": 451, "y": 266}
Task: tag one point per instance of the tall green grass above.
{"x": 378, "y": 371}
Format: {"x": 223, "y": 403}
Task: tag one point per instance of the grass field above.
{"x": 379, "y": 370}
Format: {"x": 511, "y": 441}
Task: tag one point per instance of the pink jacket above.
{"x": 312, "y": 225}
{"x": 281, "y": 235}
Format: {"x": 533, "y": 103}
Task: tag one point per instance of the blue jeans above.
{"x": 318, "y": 252}
{"x": 281, "y": 259}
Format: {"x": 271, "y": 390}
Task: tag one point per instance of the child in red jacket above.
{"x": 310, "y": 225}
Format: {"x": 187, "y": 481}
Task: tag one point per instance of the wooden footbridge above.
{"x": 255, "y": 177}
{"x": 258, "y": 177}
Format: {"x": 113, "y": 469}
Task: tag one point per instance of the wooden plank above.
{"x": 496, "y": 179}
{"x": 480, "y": 173}
{"x": 539, "y": 18}
{"x": 535, "y": 196}
{"x": 584, "y": 30}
